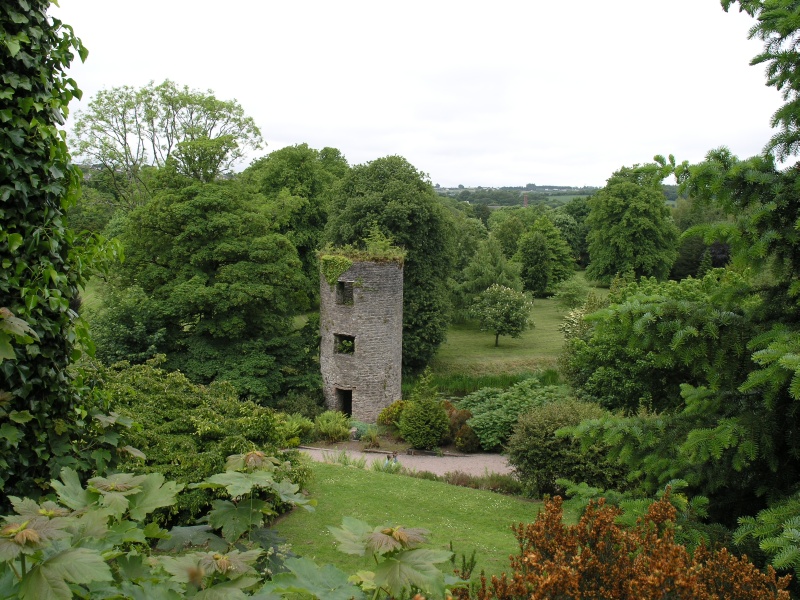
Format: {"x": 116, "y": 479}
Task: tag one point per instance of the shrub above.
{"x": 495, "y": 412}
{"x": 424, "y": 424}
{"x": 598, "y": 558}
{"x": 571, "y": 293}
{"x": 187, "y": 430}
{"x": 371, "y": 439}
{"x": 360, "y": 427}
{"x": 295, "y": 428}
{"x": 458, "y": 418}
{"x": 466, "y": 440}
{"x": 307, "y": 404}
{"x": 332, "y": 426}
{"x": 539, "y": 457}
{"x": 390, "y": 416}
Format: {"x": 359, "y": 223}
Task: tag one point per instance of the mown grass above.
{"x": 469, "y": 352}
{"x": 471, "y": 519}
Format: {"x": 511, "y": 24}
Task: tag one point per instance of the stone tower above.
{"x": 361, "y": 345}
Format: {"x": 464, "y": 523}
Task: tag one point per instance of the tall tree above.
{"x": 391, "y": 194}
{"x": 222, "y": 285}
{"x": 487, "y": 267}
{"x": 125, "y": 130}
{"x": 300, "y": 179}
{"x": 630, "y": 228}
{"x": 545, "y": 256}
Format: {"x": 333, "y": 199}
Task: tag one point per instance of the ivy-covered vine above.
{"x": 333, "y": 265}
{"x": 42, "y": 415}
{"x": 333, "y": 262}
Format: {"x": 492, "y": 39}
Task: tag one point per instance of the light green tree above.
{"x": 503, "y": 311}
{"x": 487, "y": 267}
{"x": 126, "y": 130}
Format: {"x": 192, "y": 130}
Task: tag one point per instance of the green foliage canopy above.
{"x": 126, "y": 130}
{"x": 391, "y": 194}
{"x": 503, "y": 311}
{"x": 630, "y": 228}
{"x": 299, "y": 179}
{"x": 223, "y": 286}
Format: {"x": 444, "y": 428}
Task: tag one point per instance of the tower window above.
{"x": 344, "y": 344}
{"x": 344, "y": 292}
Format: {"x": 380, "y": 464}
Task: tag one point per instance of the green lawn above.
{"x": 471, "y": 519}
{"x": 470, "y": 351}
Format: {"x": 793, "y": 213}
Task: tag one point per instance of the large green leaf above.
{"x": 238, "y": 484}
{"x": 48, "y": 580}
{"x": 236, "y": 519}
{"x": 352, "y": 536}
{"x": 70, "y": 491}
{"x": 413, "y": 568}
{"x": 196, "y": 535}
{"x": 290, "y": 492}
{"x": 325, "y": 583}
{"x": 155, "y": 494}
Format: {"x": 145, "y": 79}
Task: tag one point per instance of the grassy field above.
{"x": 471, "y": 519}
{"x": 470, "y": 351}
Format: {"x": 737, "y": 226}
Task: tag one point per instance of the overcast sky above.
{"x": 472, "y": 93}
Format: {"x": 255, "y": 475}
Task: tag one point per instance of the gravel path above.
{"x": 472, "y": 464}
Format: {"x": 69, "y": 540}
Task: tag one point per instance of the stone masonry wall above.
{"x": 369, "y": 378}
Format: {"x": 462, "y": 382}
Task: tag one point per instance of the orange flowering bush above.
{"x": 597, "y": 558}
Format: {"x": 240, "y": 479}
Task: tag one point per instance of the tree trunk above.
{"x": 496, "y": 340}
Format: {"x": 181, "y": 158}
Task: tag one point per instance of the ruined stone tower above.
{"x": 361, "y": 329}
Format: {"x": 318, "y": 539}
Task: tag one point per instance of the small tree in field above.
{"x": 503, "y": 311}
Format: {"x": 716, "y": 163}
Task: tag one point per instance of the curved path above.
{"x": 472, "y": 464}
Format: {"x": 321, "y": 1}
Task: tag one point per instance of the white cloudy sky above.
{"x": 474, "y": 93}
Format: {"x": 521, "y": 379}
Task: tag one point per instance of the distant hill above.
{"x": 549, "y": 195}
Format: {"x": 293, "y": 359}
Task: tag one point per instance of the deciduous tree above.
{"x": 630, "y": 228}
{"x": 503, "y": 311}
{"x": 545, "y": 257}
{"x": 223, "y": 285}
{"x": 300, "y": 179}
{"x": 126, "y": 130}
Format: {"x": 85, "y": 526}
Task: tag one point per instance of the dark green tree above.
{"x": 630, "y": 228}
{"x": 533, "y": 257}
{"x": 391, "y": 194}
{"x": 578, "y": 210}
{"x": 487, "y": 267}
{"x": 299, "y": 179}
{"x": 45, "y": 419}
{"x": 545, "y": 257}
{"x": 507, "y": 232}
{"x": 222, "y": 284}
